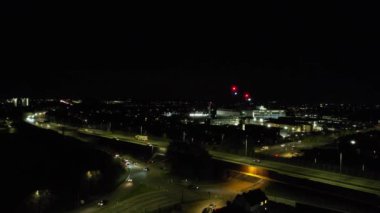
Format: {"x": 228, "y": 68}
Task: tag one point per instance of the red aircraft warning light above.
{"x": 234, "y": 89}
{"x": 247, "y": 96}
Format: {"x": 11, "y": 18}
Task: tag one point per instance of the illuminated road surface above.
{"x": 167, "y": 193}
{"x": 296, "y": 148}
{"x": 159, "y": 189}
{"x": 162, "y": 192}
{"x": 346, "y": 181}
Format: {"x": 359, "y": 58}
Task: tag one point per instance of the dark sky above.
{"x": 287, "y": 51}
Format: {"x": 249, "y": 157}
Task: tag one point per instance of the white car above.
{"x": 212, "y": 206}
{"x": 256, "y": 160}
{"x": 102, "y": 203}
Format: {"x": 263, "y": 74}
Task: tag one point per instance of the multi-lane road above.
{"x": 156, "y": 189}
{"x": 342, "y": 180}
{"x": 330, "y": 178}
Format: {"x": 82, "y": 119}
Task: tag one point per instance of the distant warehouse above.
{"x": 141, "y": 137}
{"x": 250, "y": 116}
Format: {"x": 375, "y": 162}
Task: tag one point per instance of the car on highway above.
{"x": 208, "y": 210}
{"x": 212, "y": 206}
{"x": 256, "y": 160}
{"x": 192, "y": 186}
{"x": 102, "y": 203}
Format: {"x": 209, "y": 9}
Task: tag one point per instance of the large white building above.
{"x": 263, "y": 113}
{"x": 259, "y": 113}
{"x": 222, "y": 113}
{"x": 252, "y": 116}
{"x": 24, "y": 102}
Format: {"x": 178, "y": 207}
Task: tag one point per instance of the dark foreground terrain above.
{"x": 46, "y": 172}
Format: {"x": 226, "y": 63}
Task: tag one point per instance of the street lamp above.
{"x": 353, "y": 142}
{"x": 37, "y": 200}
{"x": 151, "y": 147}
{"x": 41, "y": 199}
{"x": 89, "y": 175}
{"x": 37, "y": 194}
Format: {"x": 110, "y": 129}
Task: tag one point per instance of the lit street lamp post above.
{"x": 41, "y": 199}
{"x": 151, "y": 146}
{"x": 37, "y": 197}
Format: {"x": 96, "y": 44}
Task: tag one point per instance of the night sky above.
{"x": 278, "y": 51}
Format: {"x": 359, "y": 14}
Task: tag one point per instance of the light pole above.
{"x": 182, "y": 196}
{"x": 41, "y": 199}
{"x": 151, "y": 146}
{"x": 183, "y": 136}
{"x": 246, "y": 145}
{"x": 37, "y": 197}
{"x": 340, "y": 162}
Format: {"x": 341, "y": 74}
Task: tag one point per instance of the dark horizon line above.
{"x": 218, "y": 101}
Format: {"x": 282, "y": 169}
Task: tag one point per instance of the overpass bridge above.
{"x": 159, "y": 146}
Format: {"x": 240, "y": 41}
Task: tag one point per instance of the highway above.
{"x": 349, "y": 182}
{"x": 342, "y": 180}
{"x": 154, "y": 189}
